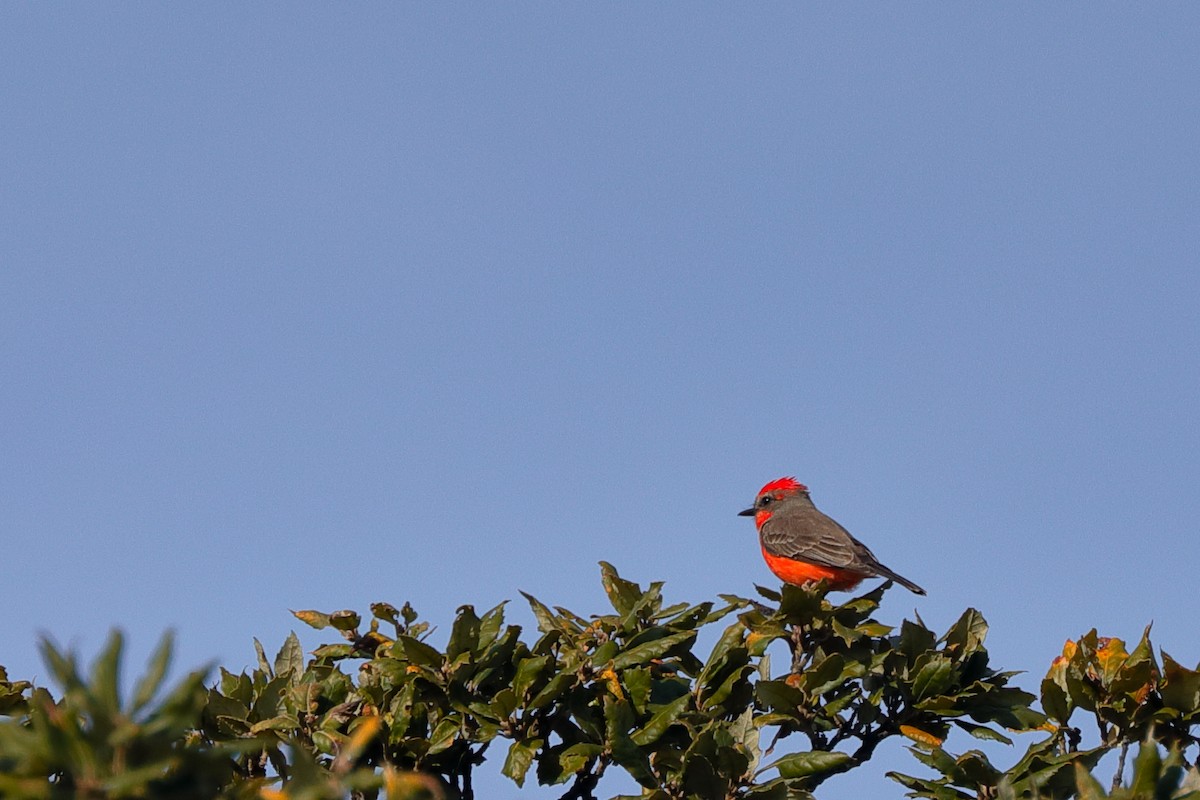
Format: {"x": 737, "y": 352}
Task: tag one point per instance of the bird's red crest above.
{"x": 783, "y": 485}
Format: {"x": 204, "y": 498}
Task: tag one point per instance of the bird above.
{"x": 801, "y": 545}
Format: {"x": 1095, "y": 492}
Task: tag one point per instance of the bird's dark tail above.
{"x": 900, "y": 579}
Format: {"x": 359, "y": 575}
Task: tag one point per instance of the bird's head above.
{"x": 771, "y": 494}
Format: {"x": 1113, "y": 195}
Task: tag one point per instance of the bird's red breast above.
{"x": 798, "y": 573}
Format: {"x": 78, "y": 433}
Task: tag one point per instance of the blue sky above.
{"x": 311, "y": 306}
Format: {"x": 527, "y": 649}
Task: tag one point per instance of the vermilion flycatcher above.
{"x": 802, "y": 545}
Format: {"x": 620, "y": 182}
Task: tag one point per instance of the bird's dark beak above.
{"x": 749, "y": 512}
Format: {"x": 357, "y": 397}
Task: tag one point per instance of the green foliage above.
{"x": 91, "y": 744}
{"x": 1129, "y": 698}
{"x": 1154, "y": 778}
{"x": 383, "y": 710}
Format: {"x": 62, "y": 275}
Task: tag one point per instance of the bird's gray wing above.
{"x": 817, "y": 539}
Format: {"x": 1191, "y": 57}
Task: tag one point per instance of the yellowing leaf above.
{"x": 364, "y": 733}
{"x": 399, "y": 784}
{"x": 312, "y": 618}
{"x": 920, "y": 736}
{"x": 1111, "y": 656}
{"x": 613, "y": 682}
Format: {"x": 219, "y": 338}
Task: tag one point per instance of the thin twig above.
{"x": 847, "y": 729}
{"x": 1116, "y": 783}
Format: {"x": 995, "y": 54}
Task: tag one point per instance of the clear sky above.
{"x": 307, "y": 306}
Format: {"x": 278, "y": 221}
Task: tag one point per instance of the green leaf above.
{"x": 280, "y": 723}
{"x": 700, "y": 778}
{"x": 1138, "y": 670}
{"x": 769, "y": 594}
{"x": 418, "y": 652}
{"x": 643, "y": 653}
{"x": 152, "y": 681}
{"x": 915, "y": 640}
{"x": 1146, "y": 769}
{"x": 799, "y": 604}
{"x": 829, "y": 673}
{"x": 529, "y": 670}
{"x": 220, "y": 705}
{"x": 1055, "y": 701}
{"x": 552, "y": 690}
{"x": 520, "y": 757}
{"x": 264, "y": 666}
{"x": 547, "y": 621}
{"x": 1087, "y": 787}
{"x": 1044, "y": 769}
{"x": 386, "y": 612}
{"x": 772, "y": 790}
{"x": 983, "y": 732}
{"x": 347, "y": 621}
{"x": 290, "y": 658}
{"x": 499, "y": 652}
{"x": 735, "y": 682}
{"x": 874, "y": 629}
{"x": 1005, "y": 705}
{"x": 464, "y": 635}
{"x": 637, "y": 681}
{"x": 1181, "y": 686}
{"x": 734, "y": 636}
{"x": 106, "y": 676}
{"x": 576, "y": 757}
{"x": 62, "y": 666}
{"x": 501, "y": 707}
{"x": 801, "y": 765}
{"x": 935, "y": 758}
{"x": 924, "y": 787}
{"x": 933, "y": 679}
{"x": 618, "y": 719}
{"x": 334, "y": 651}
{"x": 269, "y": 701}
{"x": 490, "y": 625}
{"x": 622, "y": 594}
{"x": 973, "y": 769}
{"x": 182, "y": 707}
{"x": 779, "y": 696}
{"x": 444, "y": 734}
{"x": 237, "y": 686}
{"x": 967, "y": 634}
{"x": 653, "y": 730}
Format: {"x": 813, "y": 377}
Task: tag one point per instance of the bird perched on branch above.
{"x": 802, "y": 545}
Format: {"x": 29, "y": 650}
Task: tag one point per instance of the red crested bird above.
{"x": 802, "y": 545}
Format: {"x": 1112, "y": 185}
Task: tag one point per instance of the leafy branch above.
{"x": 383, "y": 710}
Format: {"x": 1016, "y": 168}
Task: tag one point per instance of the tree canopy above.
{"x": 381, "y": 711}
